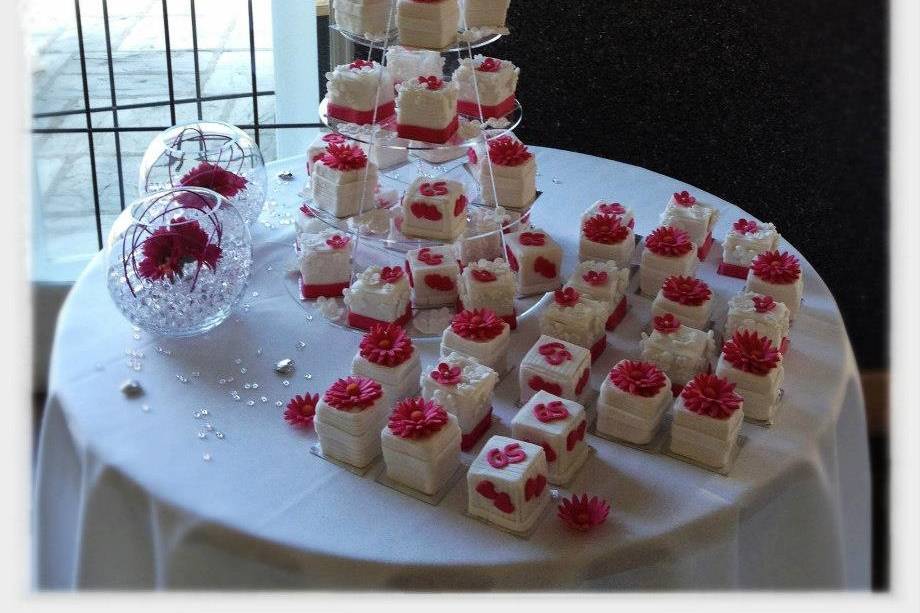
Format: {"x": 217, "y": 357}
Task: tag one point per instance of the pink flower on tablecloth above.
{"x": 776, "y": 267}
{"x": 711, "y": 396}
{"x": 386, "y": 345}
{"x": 301, "y": 410}
{"x": 583, "y": 514}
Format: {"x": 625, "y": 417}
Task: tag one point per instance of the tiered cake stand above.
{"x": 375, "y": 229}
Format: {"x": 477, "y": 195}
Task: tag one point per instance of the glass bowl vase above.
{"x": 209, "y": 154}
{"x": 178, "y": 261}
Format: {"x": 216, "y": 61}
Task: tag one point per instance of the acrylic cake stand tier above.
{"x": 383, "y": 133}
{"x": 393, "y": 39}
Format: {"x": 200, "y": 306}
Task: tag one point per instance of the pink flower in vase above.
{"x": 213, "y": 177}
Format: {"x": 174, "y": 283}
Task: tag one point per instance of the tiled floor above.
{"x": 64, "y": 197}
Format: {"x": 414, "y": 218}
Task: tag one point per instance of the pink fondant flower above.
{"x": 471, "y": 156}
{"x": 344, "y": 157}
{"x": 490, "y": 64}
{"x": 507, "y": 151}
{"x": 213, "y": 177}
{"x": 353, "y": 392}
{"x": 438, "y": 188}
{"x": 417, "y": 418}
{"x": 555, "y": 353}
{"x": 482, "y": 275}
{"x": 686, "y": 290}
{"x": 359, "y": 63}
{"x": 337, "y": 241}
{"x": 301, "y": 410}
{"x": 776, "y": 267}
{"x": 432, "y": 82}
{"x": 566, "y": 297}
{"x": 712, "y": 396}
{"x": 750, "y": 352}
{"x": 477, "y": 324}
{"x": 334, "y": 137}
{"x": 595, "y": 278}
{"x": 666, "y": 324}
{"x": 745, "y": 226}
{"x": 684, "y": 198}
{"x": 638, "y": 378}
{"x": 460, "y": 205}
{"x": 611, "y": 208}
{"x": 604, "y": 229}
{"x": 669, "y": 242}
{"x": 763, "y": 304}
{"x": 386, "y": 345}
{"x": 532, "y": 239}
{"x": 445, "y": 374}
{"x": 391, "y": 274}
{"x": 583, "y": 514}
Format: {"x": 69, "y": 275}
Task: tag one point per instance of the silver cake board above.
{"x": 554, "y": 497}
{"x": 768, "y": 423}
{"x": 655, "y": 444}
{"x": 740, "y": 441}
{"x": 433, "y": 499}
{"x": 573, "y": 470}
{"x": 317, "y": 450}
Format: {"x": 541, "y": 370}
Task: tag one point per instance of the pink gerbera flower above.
{"x": 417, "y": 418}
{"x": 507, "y": 151}
{"x": 583, "y": 514}
{"x": 669, "y": 242}
{"x": 214, "y": 178}
{"x": 301, "y": 410}
{"x": 386, "y": 345}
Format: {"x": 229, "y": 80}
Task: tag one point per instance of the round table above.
{"x": 142, "y": 492}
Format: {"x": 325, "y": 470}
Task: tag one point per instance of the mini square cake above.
{"x": 421, "y": 445}
{"x": 434, "y": 209}
{"x": 484, "y": 13}
{"x": 633, "y": 401}
{"x": 558, "y": 426}
{"x": 605, "y": 283}
{"x": 386, "y": 354}
{"x": 317, "y": 148}
{"x": 489, "y": 285}
{"x": 343, "y": 181}
{"x": 464, "y": 388}
{"x": 427, "y": 109}
{"x": 688, "y": 299}
{"x": 482, "y": 239}
{"x": 307, "y": 223}
{"x": 743, "y": 243}
{"x": 430, "y": 24}
{"x": 693, "y": 217}
{"x": 515, "y": 171}
{"x": 558, "y": 367}
{"x": 755, "y": 366}
{"x": 325, "y": 264}
{"x": 536, "y": 260}
{"x": 378, "y": 296}
{"x": 707, "y": 420}
{"x": 367, "y": 18}
{"x": 507, "y": 484}
{"x": 681, "y": 352}
{"x": 360, "y": 92}
{"x": 433, "y": 273}
{"x": 479, "y": 334}
{"x": 487, "y": 86}
{"x": 349, "y": 418}
{"x": 575, "y": 318}
{"x": 406, "y": 64}
{"x": 778, "y": 275}
{"x": 668, "y": 251}
{"x": 382, "y": 157}
{"x": 606, "y": 237}
{"x": 603, "y": 207}
{"x": 760, "y": 314}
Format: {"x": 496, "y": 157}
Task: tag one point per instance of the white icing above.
{"x": 429, "y": 25}
{"x": 681, "y": 355}
{"x": 526, "y": 427}
{"x": 361, "y": 89}
{"x": 566, "y": 374}
{"x": 743, "y": 315}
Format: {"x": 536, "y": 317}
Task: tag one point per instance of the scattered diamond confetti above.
{"x": 235, "y": 395}
{"x": 278, "y": 403}
{"x": 243, "y": 371}
{"x": 308, "y": 376}
{"x": 259, "y": 351}
{"x": 196, "y": 374}
{"x": 131, "y": 388}
{"x": 263, "y": 399}
{"x": 285, "y": 366}
{"x": 557, "y": 180}
{"x": 206, "y": 456}
{"x": 182, "y": 379}
{"x": 250, "y": 403}
{"x": 204, "y": 411}
{"x": 202, "y": 434}
{"x": 219, "y": 435}
{"x": 255, "y": 386}
{"x": 255, "y": 294}
{"x": 145, "y": 408}
{"x": 286, "y": 175}
{"x": 301, "y": 344}
{"x": 238, "y": 361}
{"x": 208, "y": 426}
{"x": 222, "y": 381}
{"x": 309, "y": 318}
{"x": 246, "y": 386}
{"x": 197, "y": 414}
{"x": 285, "y": 383}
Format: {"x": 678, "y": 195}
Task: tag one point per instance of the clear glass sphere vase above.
{"x": 208, "y": 154}
{"x": 178, "y": 261}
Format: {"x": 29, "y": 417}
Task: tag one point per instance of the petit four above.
{"x": 558, "y": 367}
{"x": 427, "y": 109}
{"x": 755, "y": 366}
{"x": 325, "y": 264}
{"x": 606, "y": 237}
{"x": 687, "y": 298}
{"x": 479, "y": 334}
{"x": 386, "y": 354}
{"x": 778, "y": 275}
{"x": 368, "y": 18}
{"x": 434, "y": 209}
{"x": 606, "y": 283}
{"x": 383, "y": 157}
{"x": 633, "y": 400}
{"x": 308, "y": 223}
{"x": 760, "y": 314}
{"x": 558, "y": 426}
{"x": 514, "y": 169}
{"x": 406, "y": 64}
{"x": 464, "y": 388}
{"x": 433, "y": 273}
{"x": 707, "y": 420}
{"x": 360, "y": 92}
{"x": 378, "y": 296}
{"x": 536, "y": 260}
{"x": 343, "y": 181}
{"x": 482, "y": 239}
{"x": 421, "y": 445}
{"x": 680, "y": 351}
{"x": 604, "y": 207}
{"x": 317, "y": 148}
{"x": 668, "y": 251}
{"x": 349, "y": 418}
{"x": 744, "y": 241}
{"x": 684, "y": 211}
{"x": 489, "y": 285}
{"x": 577, "y": 319}
{"x": 487, "y": 86}
{"x": 507, "y": 484}
{"x": 430, "y": 24}
{"x": 484, "y": 13}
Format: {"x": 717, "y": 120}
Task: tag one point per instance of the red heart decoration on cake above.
{"x": 438, "y": 188}
{"x": 547, "y": 449}
{"x": 483, "y": 276}
{"x": 501, "y": 500}
{"x": 460, "y": 205}
{"x": 532, "y": 239}
{"x": 544, "y": 267}
{"x": 426, "y": 257}
{"x": 512, "y": 261}
{"x": 551, "y": 411}
{"x": 440, "y": 283}
{"x": 578, "y": 434}
{"x": 471, "y": 156}
{"x": 583, "y": 381}
{"x": 537, "y": 383}
{"x": 424, "y": 210}
{"x": 534, "y": 487}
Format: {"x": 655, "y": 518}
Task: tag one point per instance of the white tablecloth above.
{"x": 125, "y": 498}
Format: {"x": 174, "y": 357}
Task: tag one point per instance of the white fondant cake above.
{"x": 487, "y": 86}
{"x": 558, "y": 426}
{"x": 378, "y": 295}
{"x": 489, "y": 285}
{"x": 427, "y": 109}
{"x": 387, "y": 355}
{"x": 484, "y": 13}
{"x": 482, "y": 239}
{"x": 536, "y": 260}
{"x": 633, "y": 400}
{"x": 479, "y": 334}
{"x": 514, "y": 169}
{"x": 434, "y": 209}
{"x": 668, "y": 251}
{"x": 687, "y": 298}
{"x": 760, "y": 314}
{"x": 325, "y": 263}
{"x": 606, "y": 237}
{"x": 406, "y": 63}
{"x": 429, "y": 24}
{"x": 507, "y": 483}
{"x": 360, "y": 92}
{"x": 343, "y": 181}
{"x": 607, "y": 207}
{"x": 307, "y": 223}
{"x": 605, "y": 283}
{"x": 576, "y": 318}
{"x": 707, "y": 420}
{"x": 746, "y": 239}
{"x": 779, "y": 275}
{"x": 754, "y": 365}
{"x": 349, "y": 418}
{"x": 681, "y": 352}
{"x": 558, "y": 367}
{"x": 464, "y": 388}
{"x": 433, "y": 272}
{"x": 367, "y": 18}
{"x": 695, "y": 218}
